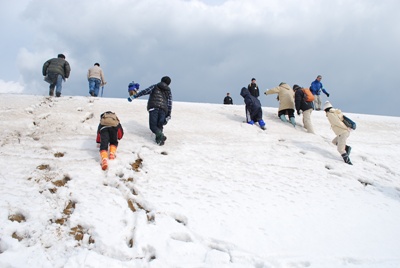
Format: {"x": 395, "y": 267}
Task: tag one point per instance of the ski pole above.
{"x": 102, "y": 88}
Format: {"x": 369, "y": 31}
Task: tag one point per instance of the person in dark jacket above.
{"x": 253, "y": 88}
{"x": 159, "y": 106}
{"x": 302, "y": 105}
{"x": 109, "y": 132}
{"x": 228, "y": 99}
{"x": 55, "y": 71}
{"x": 253, "y": 108}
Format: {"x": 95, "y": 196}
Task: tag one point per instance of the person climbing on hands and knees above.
{"x": 109, "y": 132}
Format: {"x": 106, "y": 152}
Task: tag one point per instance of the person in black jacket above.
{"x": 253, "y": 108}
{"x": 159, "y": 106}
{"x": 302, "y": 105}
{"x": 253, "y": 88}
{"x": 228, "y": 99}
{"x": 55, "y": 71}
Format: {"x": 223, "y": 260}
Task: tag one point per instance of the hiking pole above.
{"x": 102, "y": 88}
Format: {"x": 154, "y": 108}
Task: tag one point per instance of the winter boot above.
{"x": 103, "y": 161}
{"x": 348, "y": 150}
{"x": 51, "y": 92}
{"x": 113, "y": 150}
{"x": 58, "y": 94}
{"x": 346, "y": 159}
{"x": 262, "y": 124}
{"x": 293, "y": 121}
{"x": 160, "y": 138}
{"x": 283, "y": 118}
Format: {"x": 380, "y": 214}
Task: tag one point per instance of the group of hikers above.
{"x": 57, "y": 70}
{"x": 110, "y": 131}
{"x": 159, "y": 106}
{"x": 304, "y": 101}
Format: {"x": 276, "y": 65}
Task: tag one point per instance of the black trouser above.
{"x": 156, "y": 120}
{"x": 289, "y": 112}
{"x": 108, "y": 135}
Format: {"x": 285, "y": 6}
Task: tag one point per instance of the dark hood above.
{"x": 244, "y": 92}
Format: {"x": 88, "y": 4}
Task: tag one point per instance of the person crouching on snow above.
{"x": 335, "y": 117}
{"x": 253, "y": 108}
{"x": 108, "y": 133}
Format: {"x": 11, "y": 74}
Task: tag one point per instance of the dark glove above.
{"x": 327, "y": 94}
{"x": 167, "y": 119}
{"x": 298, "y": 112}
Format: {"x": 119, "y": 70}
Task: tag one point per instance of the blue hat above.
{"x": 133, "y": 86}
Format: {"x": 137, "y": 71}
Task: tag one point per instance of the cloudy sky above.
{"x": 209, "y": 48}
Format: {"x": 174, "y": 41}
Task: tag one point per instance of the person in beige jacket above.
{"x": 335, "y": 118}
{"x": 96, "y": 79}
{"x": 286, "y": 101}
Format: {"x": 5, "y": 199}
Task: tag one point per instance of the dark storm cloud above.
{"x": 210, "y": 49}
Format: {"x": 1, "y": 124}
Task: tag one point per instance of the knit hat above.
{"x": 61, "y": 56}
{"x": 166, "y": 80}
{"x": 327, "y": 105}
{"x": 253, "y": 79}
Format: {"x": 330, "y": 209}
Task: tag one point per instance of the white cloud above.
{"x": 11, "y": 87}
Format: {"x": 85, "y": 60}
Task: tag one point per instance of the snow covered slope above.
{"x": 219, "y": 193}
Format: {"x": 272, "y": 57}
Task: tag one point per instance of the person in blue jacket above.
{"x": 316, "y": 88}
{"x": 253, "y": 108}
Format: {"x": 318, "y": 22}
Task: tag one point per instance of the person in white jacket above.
{"x": 96, "y": 79}
{"x": 335, "y": 118}
{"x": 286, "y": 101}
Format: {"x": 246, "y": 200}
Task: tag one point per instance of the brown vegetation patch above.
{"x": 79, "y": 232}
{"x": 60, "y": 183}
{"x": 69, "y": 208}
{"x": 60, "y": 221}
{"x": 134, "y": 191}
{"x": 17, "y": 217}
{"x": 58, "y": 154}
{"x": 53, "y": 190}
{"x": 16, "y": 236}
{"x": 43, "y": 167}
{"x": 131, "y": 205}
{"x": 137, "y": 164}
